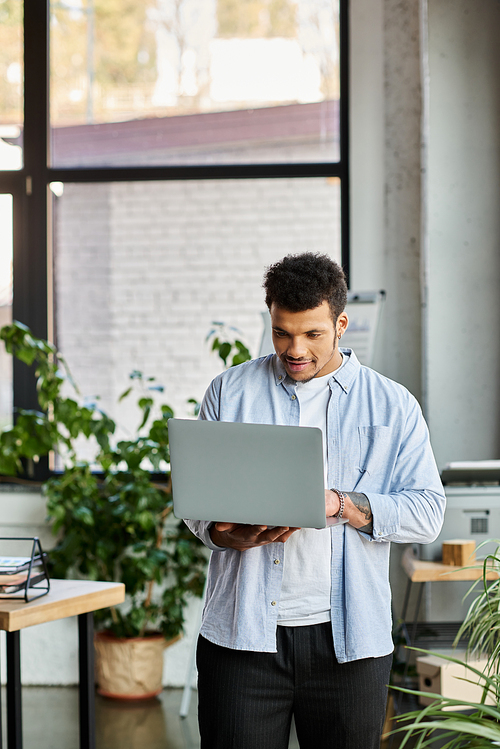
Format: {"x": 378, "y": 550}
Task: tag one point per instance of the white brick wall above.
{"x": 142, "y": 270}
{"x": 82, "y": 283}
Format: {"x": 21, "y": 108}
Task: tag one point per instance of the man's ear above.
{"x": 342, "y": 323}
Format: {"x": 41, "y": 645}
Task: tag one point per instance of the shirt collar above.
{"x": 344, "y": 376}
{"x": 280, "y": 374}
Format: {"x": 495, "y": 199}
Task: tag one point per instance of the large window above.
{"x": 194, "y": 81}
{"x": 171, "y": 149}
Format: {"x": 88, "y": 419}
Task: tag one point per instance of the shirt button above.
{"x": 280, "y": 377}
{"x": 276, "y": 561}
{"x": 380, "y": 533}
{"x": 273, "y": 603}
{"x": 294, "y": 397}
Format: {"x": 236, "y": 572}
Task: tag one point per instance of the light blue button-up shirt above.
{"x": 378, "y": 444}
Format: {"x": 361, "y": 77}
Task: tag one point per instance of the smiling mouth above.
{"x": 297, "y": 366}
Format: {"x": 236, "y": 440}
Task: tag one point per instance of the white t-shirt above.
{"x": 305, "y": 591}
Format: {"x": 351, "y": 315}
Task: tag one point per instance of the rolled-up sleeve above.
{"x": 413, "y": 510}
{"x": 201, "y": 529}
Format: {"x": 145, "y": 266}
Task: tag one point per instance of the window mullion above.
{"x": 30, "y": 267}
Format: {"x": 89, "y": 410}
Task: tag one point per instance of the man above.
{"x": 298, "y": 621}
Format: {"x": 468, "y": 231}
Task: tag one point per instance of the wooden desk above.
{"x": 66, "y": 598}
{"x": 419, "y": 571}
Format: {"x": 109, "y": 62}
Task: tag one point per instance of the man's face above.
{"x": 306, "y": 342}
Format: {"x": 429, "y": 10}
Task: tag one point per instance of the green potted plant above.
{"x": 479, "y": 724}
{"x": 112, "y": 520}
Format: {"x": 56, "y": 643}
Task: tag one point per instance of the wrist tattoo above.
{"x": 362, "y": 502}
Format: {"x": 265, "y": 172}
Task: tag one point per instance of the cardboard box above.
{"x": 459, "y": 552}
{"x": 439, "y": 676}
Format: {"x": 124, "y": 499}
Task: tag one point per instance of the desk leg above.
{"x": 87, "y": 679}
{"x": 413, "y": 635}
{"x": 14, "y": 704}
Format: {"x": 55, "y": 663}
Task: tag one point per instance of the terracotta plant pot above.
{"x": 130, "y": 668}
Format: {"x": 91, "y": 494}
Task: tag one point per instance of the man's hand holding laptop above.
{"x": 242, "y": 537}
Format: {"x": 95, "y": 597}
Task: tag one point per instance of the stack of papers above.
{"x": 10, "y": 565}
{"x": 14, "y": 573}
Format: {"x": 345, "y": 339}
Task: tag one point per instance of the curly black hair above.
{"x": 301, "y": 282}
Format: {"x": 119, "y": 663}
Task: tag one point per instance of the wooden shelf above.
{"x": 420, "y": 571}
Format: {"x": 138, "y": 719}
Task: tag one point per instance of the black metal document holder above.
{"x": 37, "y": 580}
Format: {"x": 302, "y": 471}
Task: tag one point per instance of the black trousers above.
{"x": 247, "y": 699}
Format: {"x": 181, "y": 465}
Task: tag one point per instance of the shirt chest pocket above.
{"x": 374, "y": 449}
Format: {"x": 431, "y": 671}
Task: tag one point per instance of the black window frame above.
{"x": 32, "y": 266}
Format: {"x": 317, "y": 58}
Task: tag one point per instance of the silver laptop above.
{"x": 259, "y": 474}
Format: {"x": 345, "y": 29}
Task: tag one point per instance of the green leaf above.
{"x": 124, "y": 394}
{"x": 84, "y": 515}
{"x": 147, "y": 411}
{"x": 196, "y": 406}
{"x": 224, "y": 351}
{"x": 239, "y": 359}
